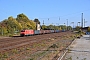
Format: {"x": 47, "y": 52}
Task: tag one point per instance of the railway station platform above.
{"x": 79, "y": 49}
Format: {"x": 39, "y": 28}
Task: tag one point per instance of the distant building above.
{"x": 85, "y": 29}
{"x": 38, "y": 27}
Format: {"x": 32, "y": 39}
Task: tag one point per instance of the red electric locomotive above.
{"x": 26, "y": 32}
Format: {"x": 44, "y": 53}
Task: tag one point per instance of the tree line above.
{"x": 13, "y": 25}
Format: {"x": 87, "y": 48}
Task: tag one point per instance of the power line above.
{"x": 66, "y": 14}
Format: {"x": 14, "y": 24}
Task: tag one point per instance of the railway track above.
{"x": 20, "y": 44}
{"x": 15, "y": 42}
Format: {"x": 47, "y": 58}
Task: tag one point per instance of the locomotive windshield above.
{"x": 23, "y": 31}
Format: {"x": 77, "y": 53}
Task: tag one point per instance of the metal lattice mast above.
{"x": 82, "y": 20}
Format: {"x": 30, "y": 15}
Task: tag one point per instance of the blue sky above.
{"x": 44, "y": 9}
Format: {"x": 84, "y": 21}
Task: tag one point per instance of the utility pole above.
{"x": 73, "y": 25}
{"x": 59, "y": 25}
{"x": 67, "y": 24}
{"x": 48, "y": 21}
{"x": 43, "y": 22}
{"x": 82, "y": 20}
{"x": 79, "y": 24}
{"x": 59, "y": 18}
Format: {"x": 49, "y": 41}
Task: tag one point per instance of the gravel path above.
{"x": 79, "y": 49}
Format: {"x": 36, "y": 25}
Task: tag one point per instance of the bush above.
{"x": 89, "y": 29}
{"x": 54, "y": 46}
{"x": 10, "y": 35}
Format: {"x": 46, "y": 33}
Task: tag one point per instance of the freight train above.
{"x": 37, "y": 32}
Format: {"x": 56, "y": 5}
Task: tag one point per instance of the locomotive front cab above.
{"x": 22, "y": 33}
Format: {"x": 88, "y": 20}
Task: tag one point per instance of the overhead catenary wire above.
{"x": 66, "y": 14}
{"x": 59, "y": 18}
{"x": 56, "y": 16}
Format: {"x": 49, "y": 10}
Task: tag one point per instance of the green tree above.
{"x": 44, "y": 27}
{"x": 13, "y": 25}
{"x": 25, "y": 22}
{"x": 88, "y": 29}
{"x": 3, "y": 28}
{"x": 56, "y": 27}
{"x": 22, "y": 17}
{"x": 22, "y": 20}
{"x": 10, "y": 25}
{"x": 78, "y": 28}
{"x": 50, "y": 27}
{"x": 63, "y": 27}
{"x": 69, "y": 27}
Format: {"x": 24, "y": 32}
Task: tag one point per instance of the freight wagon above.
{"x": 37, "y": 32}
